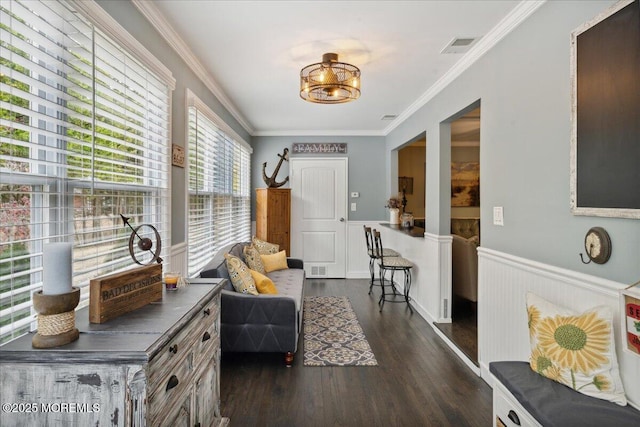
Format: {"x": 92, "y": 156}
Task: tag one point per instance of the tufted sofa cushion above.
{"x": 288, "y": 283}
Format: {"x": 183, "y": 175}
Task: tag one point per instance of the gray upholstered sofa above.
{"x": 260, "y": 323}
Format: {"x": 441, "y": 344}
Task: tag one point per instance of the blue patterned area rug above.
{"x": 332, "y": 334}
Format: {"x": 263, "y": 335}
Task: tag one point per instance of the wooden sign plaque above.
{"x": 319, "y": 148}
{"x": 116, "y": 294}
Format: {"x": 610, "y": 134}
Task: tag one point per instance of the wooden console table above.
{"x": 155, "y": 366}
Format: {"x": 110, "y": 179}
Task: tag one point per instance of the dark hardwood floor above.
{"x": 463, "y": 330}
{"x": 419, "y": 381}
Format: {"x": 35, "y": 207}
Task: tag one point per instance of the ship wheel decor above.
{"x": 144, "y": 243}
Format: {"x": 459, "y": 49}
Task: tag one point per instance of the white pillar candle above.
{"x": 56, "y": 268}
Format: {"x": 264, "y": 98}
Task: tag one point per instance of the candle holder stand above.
{"x": 56, "y": 319}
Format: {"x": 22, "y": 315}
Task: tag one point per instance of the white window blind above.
{"x": 84, "y": 137}
{"x": 219, "y": 186}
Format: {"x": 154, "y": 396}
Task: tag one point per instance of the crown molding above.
{"x": 517, "y": 16}
{"x": 153, "y": 15}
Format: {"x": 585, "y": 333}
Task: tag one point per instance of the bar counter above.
{"x": 413, "y": 231}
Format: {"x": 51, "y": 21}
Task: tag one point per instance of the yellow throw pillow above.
{"x": 240, "y": 276}
{"x": 265, "y": 248}
{"x": 275, "y": 262}
{"x": 575, "y": 349}
{"x": 263, "y": 283}
{"x": 252, "y": 258}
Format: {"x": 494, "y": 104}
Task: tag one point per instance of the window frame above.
{"x": 193, "y": 101}
{"x": 41, "y": 205}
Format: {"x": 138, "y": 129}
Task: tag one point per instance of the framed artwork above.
{"x": 405, "y": 183}
{"x": 465, "y": 184}
{"x": 605, "y": 114}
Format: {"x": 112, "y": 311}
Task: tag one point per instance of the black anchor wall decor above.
{"x": 271, "y": 181}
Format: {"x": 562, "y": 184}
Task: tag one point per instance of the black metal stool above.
{"x": 392, "y": 264}
{"x": 372, "y": 257}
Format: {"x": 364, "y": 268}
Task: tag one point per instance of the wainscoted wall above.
{"x": 431, "y": 273}
{"x": 357, "y": 258}
{"x": 178, "y": 259}
{"x": 503, "y": 334}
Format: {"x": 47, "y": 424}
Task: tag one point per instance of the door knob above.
{"x": 341, "y": 219}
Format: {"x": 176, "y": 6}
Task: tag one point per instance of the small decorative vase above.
{"x": 394, "y": 216}
{"x": 407, "y": 220}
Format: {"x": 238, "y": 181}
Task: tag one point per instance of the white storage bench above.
{"x": 521, "y": 397}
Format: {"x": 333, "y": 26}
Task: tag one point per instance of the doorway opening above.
{"x": 412, "y": 171}
{"x": 465, "y": 231}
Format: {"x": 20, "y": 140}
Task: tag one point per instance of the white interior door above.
{"x": 319, "y": 215}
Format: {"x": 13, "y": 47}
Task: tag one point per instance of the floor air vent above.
{"x": 318, "y": 271}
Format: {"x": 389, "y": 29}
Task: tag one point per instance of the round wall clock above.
{"x": 597, "y": 244}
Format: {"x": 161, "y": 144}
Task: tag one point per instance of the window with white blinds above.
{"x": 84, "y": 137}
{"x": 219, "y": 185}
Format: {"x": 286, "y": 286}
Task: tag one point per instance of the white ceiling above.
{"x": 251, "y": 53}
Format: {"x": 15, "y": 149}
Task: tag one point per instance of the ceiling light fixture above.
{"x": 330, "y": 81}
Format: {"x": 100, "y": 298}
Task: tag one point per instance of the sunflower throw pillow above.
{"x": 575, "y": 349}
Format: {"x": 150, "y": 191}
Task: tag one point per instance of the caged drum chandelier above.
{"x": 330, "y": 81}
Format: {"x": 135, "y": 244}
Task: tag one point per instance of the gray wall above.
{"x": 137, "y": 25}
{"x": 367, "y": 175}
{"x": 523, "y": 84}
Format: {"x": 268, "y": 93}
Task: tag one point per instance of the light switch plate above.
{"x": 353, "y": 207}
{"x": 498, "y": 215}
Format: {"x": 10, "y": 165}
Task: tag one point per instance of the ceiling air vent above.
{"x": 460, "y": 45}
{"x": 389, "y": 117}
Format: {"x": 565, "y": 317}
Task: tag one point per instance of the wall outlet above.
{"x": 498, "y": 215}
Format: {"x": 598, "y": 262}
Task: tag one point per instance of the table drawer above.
{"x": 208, "y": 340}
{"x": 171, "y": 387}
{"x": 206, "y": 346}
{"x": 190, "y": 336}
{"x": 172, "y": 353}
